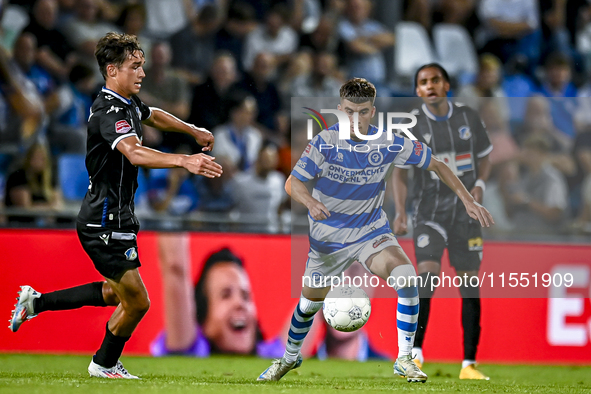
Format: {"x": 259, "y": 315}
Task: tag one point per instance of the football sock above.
{"x": 470, "y": 320}
{"x": 90, "y": 294}
{"x": 467, "y": 363}
{"x": 425, "y": 294}
{"x": 407, "y": 310}
{"x": 301, "y": 322}
{"x": 110, "y": 349}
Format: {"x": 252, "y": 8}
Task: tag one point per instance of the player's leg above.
{"x": 465, "y": 255}
{"x": 134, "y": 304}
{"x": 30, "y": 302}
{"x": 430, "y": 241}
{"x": 301, "y": 322}
{"x": 391, "y": 264}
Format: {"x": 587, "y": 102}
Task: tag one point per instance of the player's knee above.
{"x": 426, "y": 288}
{"x": 109, "y": 295}
{"x": 137, "y": 307}
{"x": 469, "y": 290}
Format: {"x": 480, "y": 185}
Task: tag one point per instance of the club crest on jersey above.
{"x": 465, "y": 132}
{"x": 340, "y": 157}
{"x": 375, "y": 158}
{"x": 131, "y": 254}
{"x": 122, "y": 127}
{"x": 423, "y": 240}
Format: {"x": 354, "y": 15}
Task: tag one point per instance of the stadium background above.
{"x": 47, "y": 245}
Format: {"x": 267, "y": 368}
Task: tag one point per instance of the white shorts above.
{"x": 321, "y": 267}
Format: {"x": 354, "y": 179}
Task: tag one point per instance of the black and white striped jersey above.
{"x": 459, "y": 139}
{"x": 109, "y": 201}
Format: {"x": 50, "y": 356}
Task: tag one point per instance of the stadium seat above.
{"x": 73, "y": 177}
{"x": 455, "y": 49}
{"x": 413, "y": 49}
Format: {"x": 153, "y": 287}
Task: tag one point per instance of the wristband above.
{"x": 480, "y": 183}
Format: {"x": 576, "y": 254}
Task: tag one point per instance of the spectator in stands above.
{"x": 85, "y": 29}
{"x": 215, "y": 195}
{"x": 238, "y": 140}
{"x": 166, "y": 18}
{"x": 21, "y": 107}
{"x": 33, "y": 186}
{"x": 429, "y": 12}
{"x": 240, "y": 22}
{"x": 365, "y": 39}
{"x": 275, "y": 37}
{"x": 132, "y": 20}
{"x": 510, "y": 27}
{"x": 538, "y": 121}
{"x": 260, "y": 193}
{"x": 538, "y": 202}
{"x": 25, "y": 55}
{"x": 259, "y": 82}
{"x": 54, "y": 54}
{"x": 557, "y": 85}
{"x": 325, "y": 38}
{"x": 208, "y": 105}
{"x": 162, "y": 87}
{"x": 193, "y": 47}
{"x": 71, "y": 104}
{"x": 300, "y": 65}
{"x": 487, "y": 84}
{"x": 173, "y": 190}
{"x": 221, "y": 318}
{"x": 321, "y": 82}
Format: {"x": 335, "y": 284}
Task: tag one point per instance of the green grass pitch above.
{"x": 20, "y": 373}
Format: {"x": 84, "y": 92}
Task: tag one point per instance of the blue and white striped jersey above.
{"x": 351, "y": 183}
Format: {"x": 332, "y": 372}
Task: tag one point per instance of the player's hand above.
{"x": 317, "y": 210}
{"x": 202, "y": 164}
{"x": 203, "y": 137}
{"x": 400, "y": 224}
{"x": 477, "y": 193}
{"x": 480, "y": 213}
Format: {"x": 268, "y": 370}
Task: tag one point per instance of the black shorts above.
{"x": 112, "y": 251}
{"x": 463, "y": 241}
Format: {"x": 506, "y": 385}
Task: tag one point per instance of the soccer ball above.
{"x": 346, "y": 308}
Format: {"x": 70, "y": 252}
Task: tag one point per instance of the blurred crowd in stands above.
{"x": 233, "y": 66}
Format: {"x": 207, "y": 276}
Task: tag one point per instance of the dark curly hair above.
{"x": 115, "y": 48}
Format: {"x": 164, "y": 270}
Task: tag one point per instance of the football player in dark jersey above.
{"x": 107, "y": 226}
{"x": 456, "y": 135}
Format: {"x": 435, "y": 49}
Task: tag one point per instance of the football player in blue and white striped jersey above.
{"x": 348, "y": 224}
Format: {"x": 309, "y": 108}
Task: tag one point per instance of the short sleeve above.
{"x": 145, "y": 111}
{"x": 115, "y": 125}
{"x": 483, "y": 146}
{"x": 411, "y": 153}
{"x": 310, "y": 163}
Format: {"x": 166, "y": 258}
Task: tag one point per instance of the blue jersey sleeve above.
{"x": 310, "y": 163}
{"x": 413, "y": 153}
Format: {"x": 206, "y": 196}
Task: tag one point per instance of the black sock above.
{"x": 425, "y": 294}
{"x": 470, "y": 321}
{"x": 90, "y": 294}
{"x": 110, "y": 349}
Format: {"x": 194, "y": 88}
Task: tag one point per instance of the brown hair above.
{"x": 358, "y": 90}
{"x": 115, "y": 48}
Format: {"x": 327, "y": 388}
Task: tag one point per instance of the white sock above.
{"x": 467, "y": 363}
{"x": 417, "y": 353}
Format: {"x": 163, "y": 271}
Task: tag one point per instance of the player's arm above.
{"x": 299, "y": 192}
{"x": 400, "y": 189}
{"x": 139, "y": 155}
{"x": 484, "y": 168}
{"x": 165, "y": 121}
{"x": 474, "y": 209}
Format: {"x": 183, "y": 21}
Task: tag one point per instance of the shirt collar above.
{"x": 438, "y": 118}
{"x": 117, "y": 95}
